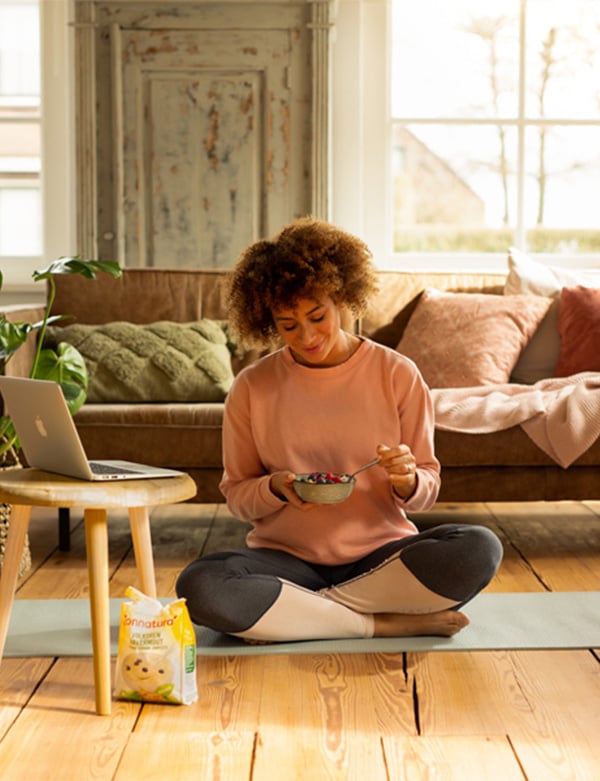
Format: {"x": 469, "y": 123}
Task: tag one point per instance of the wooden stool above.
{"x": 27, "y": 488}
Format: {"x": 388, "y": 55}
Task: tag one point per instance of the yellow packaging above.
{"x": 156, "y": 658}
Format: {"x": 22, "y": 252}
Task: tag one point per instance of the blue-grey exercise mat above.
{"x": 566, "y": 619}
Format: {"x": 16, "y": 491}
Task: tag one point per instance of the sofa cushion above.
{"x": 461, "y": 340}
{"x": 579, "y": 329}
{"x": 157, "y": 362}
{"x": 526, "y": 275}
{"x": 391, "y": 333}
{"x": 182, "y": 436}
{"x": 143, "y": 295}
{"x": 539, "y": 358}
{"x": 399, "y": 292}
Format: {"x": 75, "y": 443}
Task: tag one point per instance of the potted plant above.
{"x": 64, "y": 365}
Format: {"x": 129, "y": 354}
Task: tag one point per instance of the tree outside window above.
{"x": 496, "y": 125}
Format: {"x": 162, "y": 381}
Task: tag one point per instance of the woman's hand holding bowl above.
{"x": 282, "y": 485}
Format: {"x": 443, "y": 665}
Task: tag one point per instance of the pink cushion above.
{"x": 460, "y": 340}
{"x": 579, "y": 329}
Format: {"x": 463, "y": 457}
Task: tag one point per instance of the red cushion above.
{"x": 579, "y": 330}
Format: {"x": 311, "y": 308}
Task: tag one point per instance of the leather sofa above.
{"x": 500, "y": 466}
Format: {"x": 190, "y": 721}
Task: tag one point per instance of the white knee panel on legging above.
{"x": 388, "y": 588}
{"x": 345, "y": 610}
{"x": 301, "y": 614}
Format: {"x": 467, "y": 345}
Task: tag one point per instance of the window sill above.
{"x": 435, "y": 263}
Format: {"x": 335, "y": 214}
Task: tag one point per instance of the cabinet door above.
{"x": 208, "y": 155}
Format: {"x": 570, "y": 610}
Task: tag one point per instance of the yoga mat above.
{"x": 566, "y": 619}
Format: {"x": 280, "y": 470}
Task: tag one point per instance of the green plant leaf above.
{"x": 75, "y": 396}
{"x": 65, "y": 365}
{"x": 6, "y": 427}
{"x": 76, "y": 265}
{"x": 8, "y": 435}
{"x": 67, "y": 265}
{"x": 12, "y": 336}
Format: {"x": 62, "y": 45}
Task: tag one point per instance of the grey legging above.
{"x": 236, "y": 590}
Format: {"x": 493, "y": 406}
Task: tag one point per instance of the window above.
{"x": 20, "y": 145}
{"x": 495, "y": 126}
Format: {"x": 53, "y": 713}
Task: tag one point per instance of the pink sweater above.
{"x": 281, "y": 415}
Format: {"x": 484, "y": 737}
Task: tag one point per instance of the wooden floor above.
{"x": 482, "y": 716}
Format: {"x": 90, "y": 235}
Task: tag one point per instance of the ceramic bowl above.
{"x": 322, "y": 493}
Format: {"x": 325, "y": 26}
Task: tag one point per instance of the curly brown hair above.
{"x": 306, "y": 259}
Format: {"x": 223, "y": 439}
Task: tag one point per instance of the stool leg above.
{"x": 139, "y": 521}
{"x": 96, "y": 541}
{"x": 64, "y": 529}
{"x": 15, "y": 540}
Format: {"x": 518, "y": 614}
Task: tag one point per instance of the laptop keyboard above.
{"x": 106, "y": 469}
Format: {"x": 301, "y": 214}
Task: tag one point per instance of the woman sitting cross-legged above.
{"x": 329, "y": 400}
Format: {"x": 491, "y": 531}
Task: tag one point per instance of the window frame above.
{"x": 360, "y": 190}
{"x": 362, "y": 130}
{"x": 57, "y": 153}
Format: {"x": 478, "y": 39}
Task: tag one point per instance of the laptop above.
{"x": 50, "y": 440}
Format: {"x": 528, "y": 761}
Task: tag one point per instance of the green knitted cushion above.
{"x": 162, "y": 361}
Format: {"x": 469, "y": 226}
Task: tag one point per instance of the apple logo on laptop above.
{"x": 39, "y": 424}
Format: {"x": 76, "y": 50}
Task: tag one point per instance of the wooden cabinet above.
{"x": 201, "y": 126}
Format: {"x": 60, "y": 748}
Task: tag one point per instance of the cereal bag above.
{"x": 156, "y": 658}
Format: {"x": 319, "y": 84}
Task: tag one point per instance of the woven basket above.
{"x": 10, "y": 460}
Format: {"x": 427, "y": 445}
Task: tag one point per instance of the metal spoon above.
{"x": 362, "y": 468}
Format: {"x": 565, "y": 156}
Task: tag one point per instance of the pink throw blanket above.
{"x": 561, "y": 415}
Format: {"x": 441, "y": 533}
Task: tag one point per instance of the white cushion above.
{"x": 540, "y": 356}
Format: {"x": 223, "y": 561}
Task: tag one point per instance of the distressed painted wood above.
{"x": 211, "y": 126}
{"x": 205, "y": 143}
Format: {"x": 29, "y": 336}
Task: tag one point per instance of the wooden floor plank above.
{"x": 453, "y": 512}
{"x": 307, "y": 756}
{"x": 562, "y": 740}
{"x": 594, "y": 506}
{"x": 331, "y": 716}
{"x": 43, "y": 532}
{"x": 230, "y": 689}
{"x": 451, "y": 759}
{"x": 548, "y": 698}
{"x": 391, "y": 687}
{"x": 18, "y": 680}
{"x": 188, "y": 756}
{"x": 468, "y": 693}
{"x": 64, "y": 575}
{"x": 327, "y": 701}
{"x": 227, "y": 532}
{"x": 179, "y": 535}
{"x": 560, "y": 541}
{"x": 59, "y": 735}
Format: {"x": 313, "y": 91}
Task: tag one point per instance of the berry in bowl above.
{"x": 324, "y": 487}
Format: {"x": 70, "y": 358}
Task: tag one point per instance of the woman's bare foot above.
{"x": 445, "y": 623}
